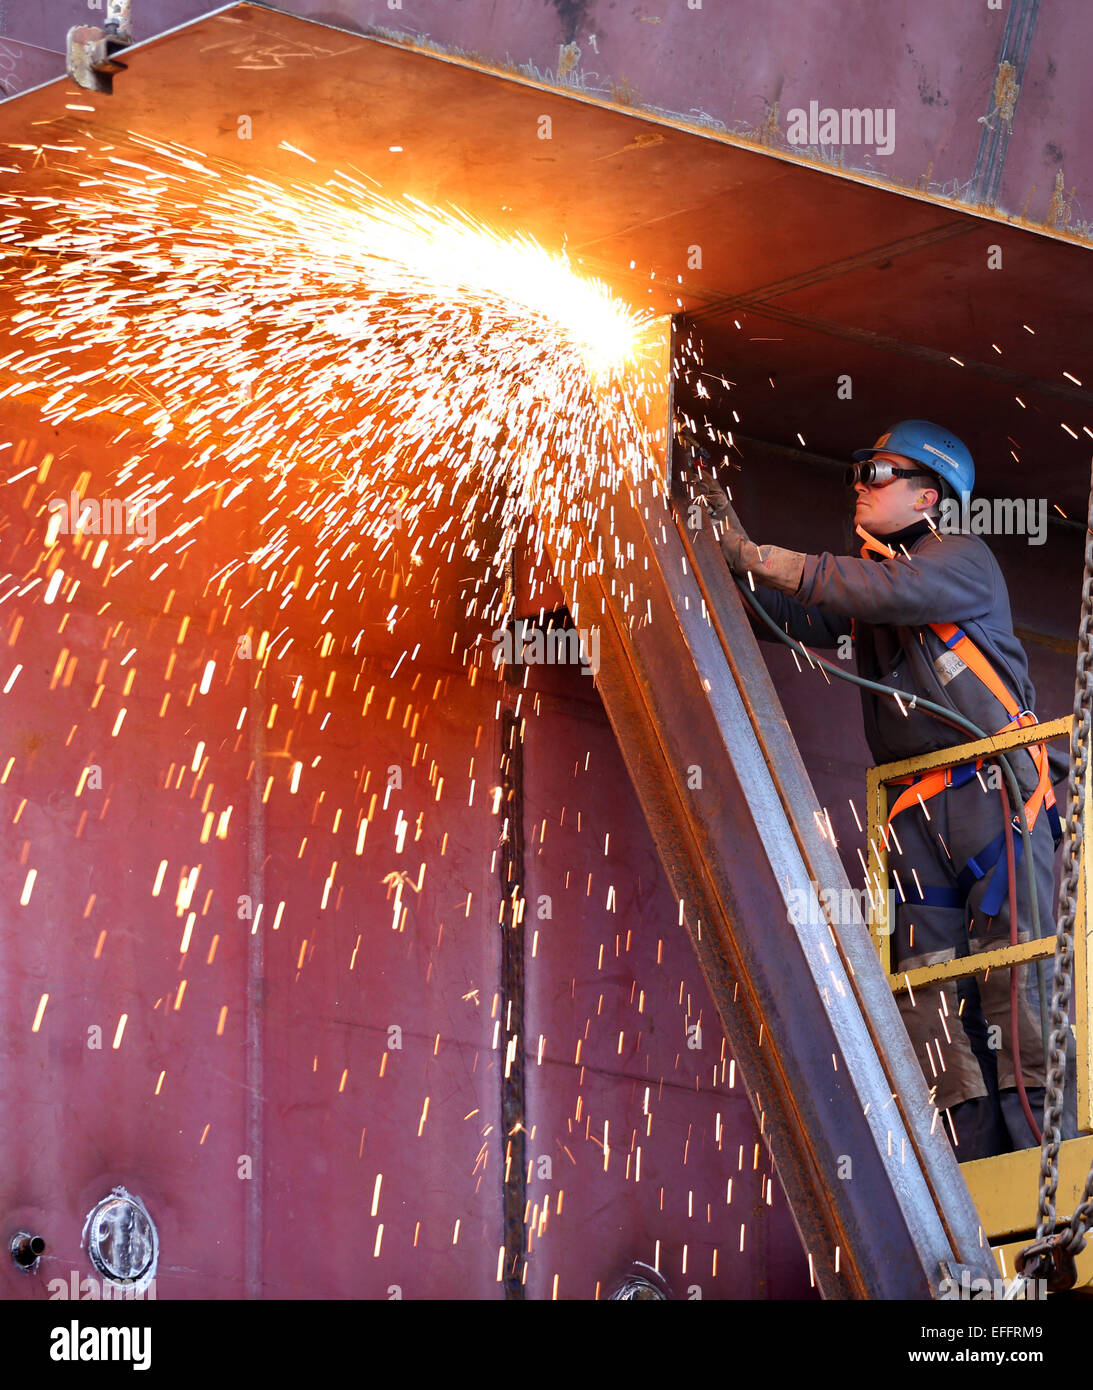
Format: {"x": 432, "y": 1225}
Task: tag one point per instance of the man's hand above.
{"x": 714, "y": 496}
{"x": 771, "y": 566}
{"x": 736, "y": 546}
{"x": 707, "y": 490}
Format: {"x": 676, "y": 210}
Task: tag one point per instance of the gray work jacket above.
{"x": 888, "y": 605}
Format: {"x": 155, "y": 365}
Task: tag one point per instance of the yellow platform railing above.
{"x": 1005, "y": 1188}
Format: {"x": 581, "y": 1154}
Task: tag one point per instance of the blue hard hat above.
{"x": 935, "y": 448}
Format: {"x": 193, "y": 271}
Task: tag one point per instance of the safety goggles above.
{"x": 878, "y": 473}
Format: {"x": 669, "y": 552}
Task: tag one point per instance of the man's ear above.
{"x": 928, "y": 500}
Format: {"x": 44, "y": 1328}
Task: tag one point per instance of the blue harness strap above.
{"x": 1055, "y": 823}
{"x": 987, "y": 862}
{"x": 932, "y": 896}
{"x": 988, "y": 859}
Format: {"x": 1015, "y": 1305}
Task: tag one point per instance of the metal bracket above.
{"x": 90, "y": 52}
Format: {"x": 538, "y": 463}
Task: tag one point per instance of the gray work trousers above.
{"x": 961, "y": 1029}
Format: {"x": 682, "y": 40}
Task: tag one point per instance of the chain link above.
{"x": 1064, "y": 938}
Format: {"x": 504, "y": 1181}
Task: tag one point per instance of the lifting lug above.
{"x": 90, "y": 52}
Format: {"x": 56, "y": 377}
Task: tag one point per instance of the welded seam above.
{"x": 255, "y": 1011}
{"x": 513, "y": 1092}
{"x": 998, "y": 123}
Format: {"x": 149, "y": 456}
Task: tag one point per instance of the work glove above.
{"x": 771, "y": 566}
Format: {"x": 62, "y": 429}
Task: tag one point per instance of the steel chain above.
{"x": 1064, "y": 939}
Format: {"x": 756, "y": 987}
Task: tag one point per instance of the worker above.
{"x": 928, "y": 616}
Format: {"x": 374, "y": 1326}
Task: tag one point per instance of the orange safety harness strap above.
{"x": 921, "y": 788}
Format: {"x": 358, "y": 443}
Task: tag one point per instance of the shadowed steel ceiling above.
{"x": 794, "y": 277}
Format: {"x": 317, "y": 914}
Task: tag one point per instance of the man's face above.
{"x": 884, "y": 508}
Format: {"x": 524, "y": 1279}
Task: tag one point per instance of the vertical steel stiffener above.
{"x": 875, "y": 1189}
{"x": 512, "y": 1005}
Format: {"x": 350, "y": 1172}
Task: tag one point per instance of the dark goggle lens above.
{"x": 870, "y": 471}
{"x": 867, "y": 472}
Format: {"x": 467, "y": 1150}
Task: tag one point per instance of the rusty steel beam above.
{"x": 865, "y": 975}
{"x": 878, "y": 1199}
